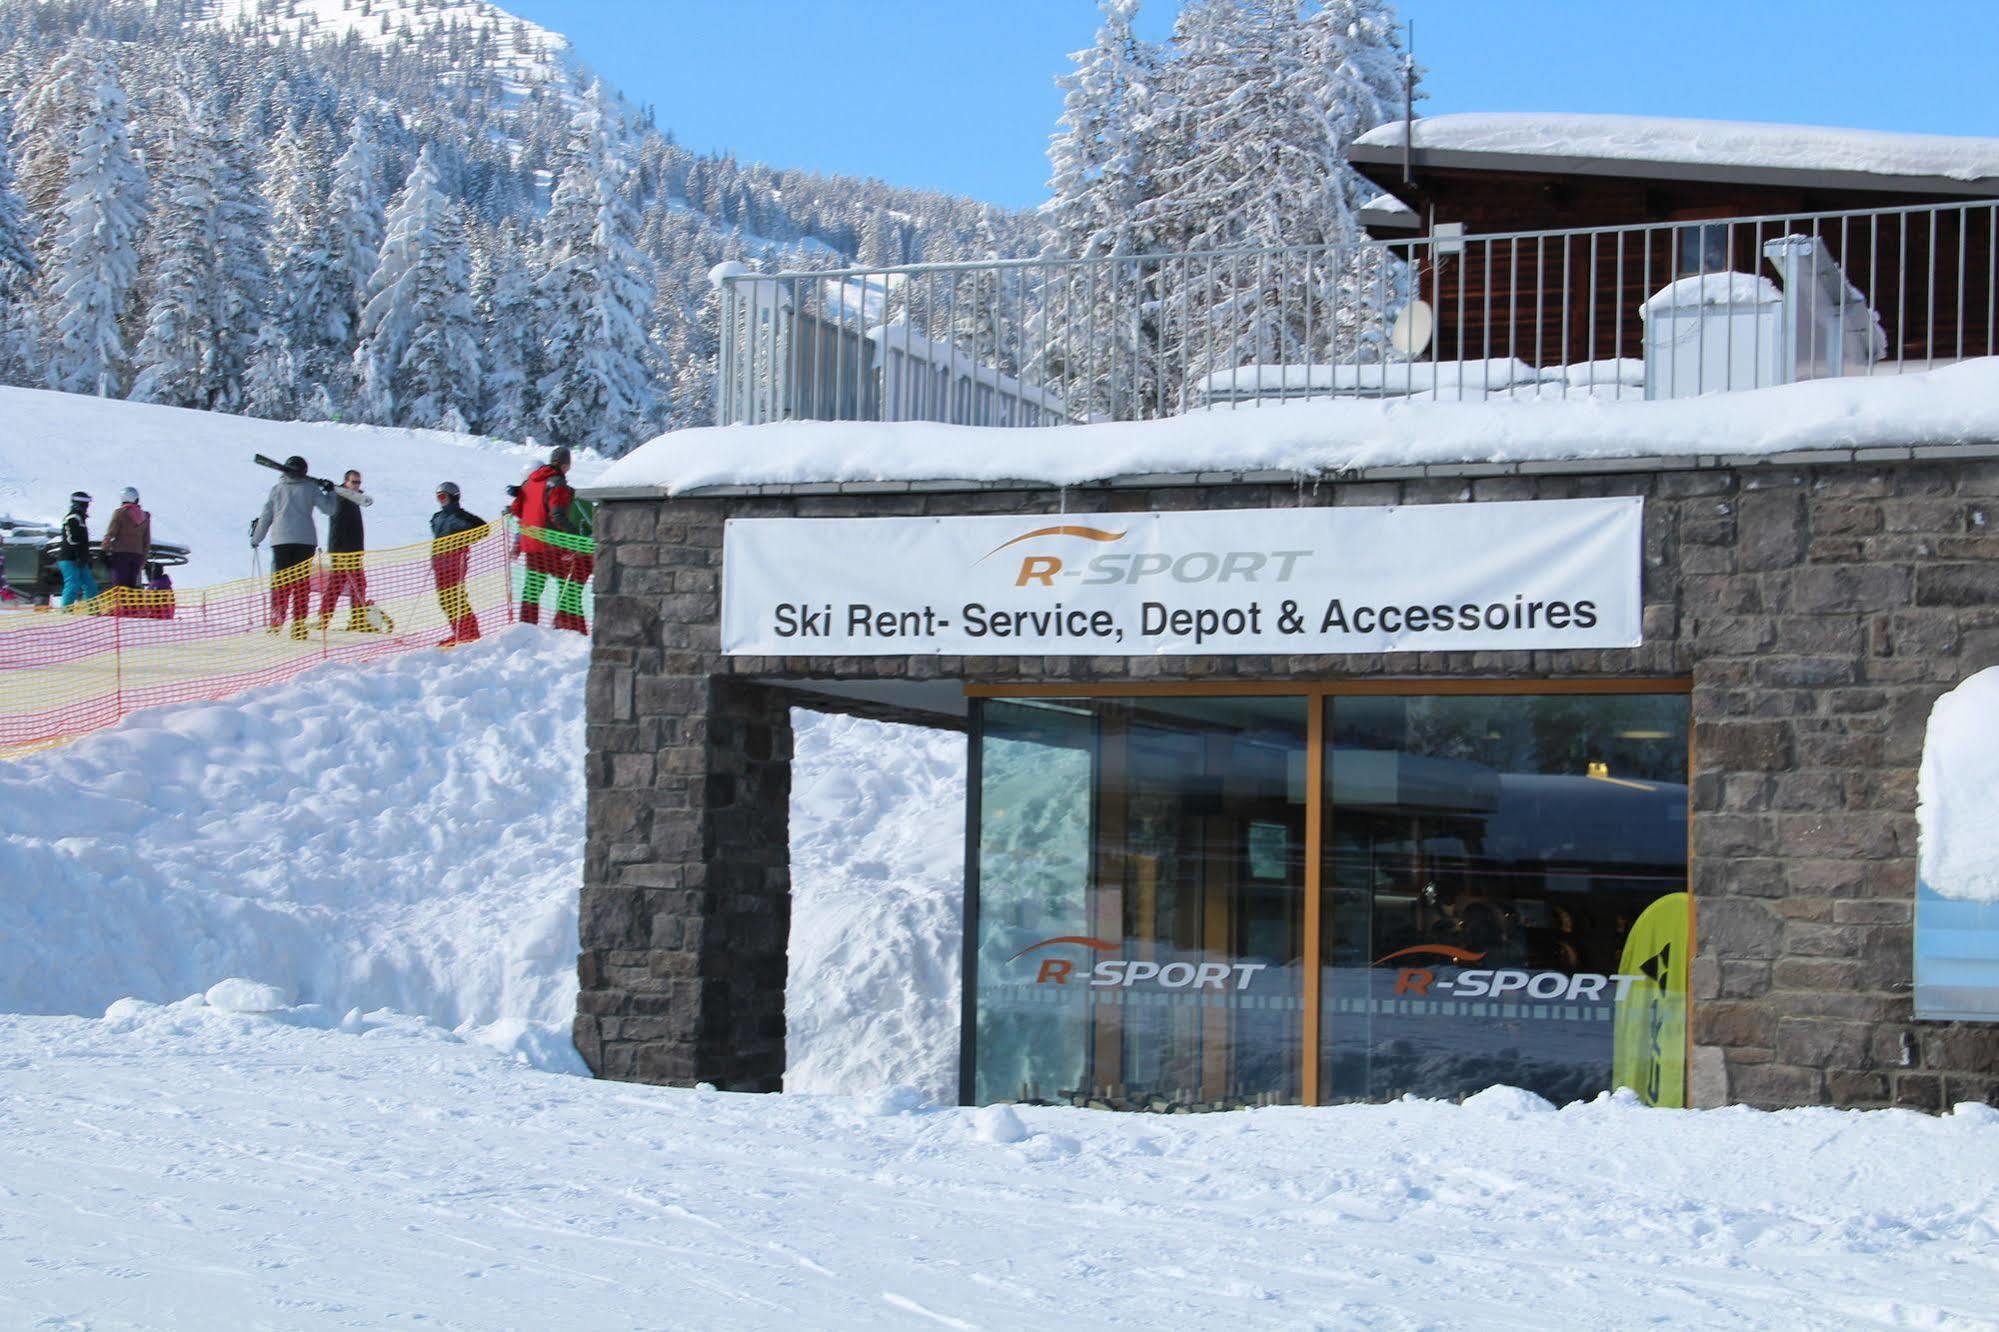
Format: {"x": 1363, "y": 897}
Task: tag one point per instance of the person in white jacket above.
{"x": 287, "y": 520}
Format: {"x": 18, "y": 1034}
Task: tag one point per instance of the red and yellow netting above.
{"x": 65, "y": 672}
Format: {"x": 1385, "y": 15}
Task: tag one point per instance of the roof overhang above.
{"x": 1388, "y": 161}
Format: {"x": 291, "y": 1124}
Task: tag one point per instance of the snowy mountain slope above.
{"x": 522, "y": 55}
{"x": 238, "y": 171}
{"x": 186, "y": 1167}
{"x": 194, "y": 471}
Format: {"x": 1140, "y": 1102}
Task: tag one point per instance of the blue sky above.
{"x": 958, "y": 95}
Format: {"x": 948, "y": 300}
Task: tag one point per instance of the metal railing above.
{"x": 1652, "y": 310}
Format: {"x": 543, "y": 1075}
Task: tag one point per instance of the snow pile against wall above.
{"x": 1704, "y": 142}
{"x": 406, "y": 835}
{"x": 1957, "y": 793}
{"x": 1955, "y": 405}
{"x": 877, "y": 871}
{"x": 194, "y": 473}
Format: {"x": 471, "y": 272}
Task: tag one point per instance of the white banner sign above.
{"x": 1440, "y": 577}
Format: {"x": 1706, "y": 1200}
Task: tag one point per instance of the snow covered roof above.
{"x": 1386, "y": 203}
{"x": 1701, "y": 143}
{"x": 1866, "y": 419}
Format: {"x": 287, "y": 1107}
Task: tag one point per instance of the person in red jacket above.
{"x": 542, "y": 502}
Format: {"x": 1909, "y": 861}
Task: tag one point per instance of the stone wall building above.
{"x": 1812, "y": 608}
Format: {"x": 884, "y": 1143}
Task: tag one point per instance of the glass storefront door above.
{"x": 1505, "y": 896}
{"x": 1140, "y": 902}
{"x": 1488, "y": 888}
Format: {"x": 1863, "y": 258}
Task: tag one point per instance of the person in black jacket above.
{"x": 452, "y": 532}
{"x": 79, "y": 582}
{"x": 346, "y": 544}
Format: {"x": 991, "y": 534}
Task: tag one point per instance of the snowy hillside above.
{"x": 408, "y": 212}
{"x": 194, "y": 473}
{"x": 473, "y": 35}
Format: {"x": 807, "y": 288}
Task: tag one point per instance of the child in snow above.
{"x": 160, "y": 602}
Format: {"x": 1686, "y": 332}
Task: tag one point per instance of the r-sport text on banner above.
{"x": 1543, "y": 574}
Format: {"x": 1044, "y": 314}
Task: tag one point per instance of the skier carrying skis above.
{"x": 453, "y": 530}
{"x": 542, "y": 503}
{"x": 287, "y": 520}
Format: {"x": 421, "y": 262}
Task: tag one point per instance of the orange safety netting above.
{"x": 65, "y": 672}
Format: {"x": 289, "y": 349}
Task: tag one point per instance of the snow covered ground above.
{"x": 877, "y": 868}
{"x": 409, "y": 835}
{"x": 194, "y": 473}
{"x": 186, "y": 1167}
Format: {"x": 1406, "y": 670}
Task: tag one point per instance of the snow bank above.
{"x": 1957, "y": 793}
{"x": 409, "y": 836}
{"x": 184, "y": 1167}
{"x": 877, "y": 873}
{"x": 1700, "y": 142}
{"x": 404, "y": 835}
{"x": 194, "y": 473}
{"x": 1955, "y": 405}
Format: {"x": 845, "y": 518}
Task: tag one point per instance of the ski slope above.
{"x": 195, "y": 476}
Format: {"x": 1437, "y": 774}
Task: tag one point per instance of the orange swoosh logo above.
{"x": 1087, "y": 533}
{"x": 1085, "y": 940}
{"x": 1441, "y": 950}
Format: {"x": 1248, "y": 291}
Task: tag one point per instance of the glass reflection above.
{"x": 1505, "y": 896}
{"x": 1140, "y": 893}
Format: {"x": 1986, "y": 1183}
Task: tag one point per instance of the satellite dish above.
{"x": 1410, "y": 334}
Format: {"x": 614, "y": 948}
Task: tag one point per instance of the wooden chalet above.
{"x": 1666, "y": 199}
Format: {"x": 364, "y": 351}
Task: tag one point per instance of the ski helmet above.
{"x": 77, "y": 497}
{"x": 295, "y": 465}
{"x": 448, "y": 488}
{"x": 559, "y": 456}
{"x": 129, "y": 495}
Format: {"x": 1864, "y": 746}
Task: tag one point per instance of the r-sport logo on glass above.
{"x": 1118, "y": 973}
{"x": 1152, "y": 566}
{"x": 1500, "y": 982}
